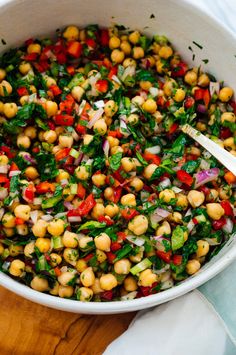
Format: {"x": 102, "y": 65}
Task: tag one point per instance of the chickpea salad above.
{"x": 102, "y": 197}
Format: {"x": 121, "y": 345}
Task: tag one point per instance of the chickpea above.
{"x": 125, "y": 47}
{"x": 31, "y": 173}
{"x": 66, "y": 141}
{"x": 77, "y": 92}
{"x": 192, "y": 266}
{"x": 115, "y": 150}
{"x": 147, "y": 278}
{"x": 100, "y": 126}
{"x": 225, "y": 192}
{"x": 87, "y": 277}
{"x": 195, "y": 198}
{"x": 71, "y": 255}
{"x": 149, "y": 170}
{"x": 202, "y": 248}
{"x": 130, "y": 284}
{"x": 108, "y": 193}
{"x": 160, "y": 67}
{"x": 128, "y": 200}
{"x": 82, "y": 173}
{"x": 50, "y": 136}
{"x": 122, "y": 267}
{"x": 228, "y": 117}
{"x": 29, "y": 249}
{"x": 182, "y": 201}
{"x": 70, "y": 240}
{"x": 229, "y": 143}
{"x": 168, "y": 87}
{"x": 71, "y": 33}
{"x": 85, "y": 294}
{"x": 2, "y": 74}
{"x": 22, "y": 229}
{"x": 164, "y": 229}
{"x": 39, "y": 229}
{"x": 84, "y": 242}
{"x": 111, "y": 210}
{"x": 191, "y": 78}
{"x": 9, "y": 232}
{"x": 5, "y": 88}
{"x": 55, "y": 259}
{"x": 65, "y": 278}
{"x": 55, "y": 290}
{"x": 215, "y": 211}
{"x": 23, "y": 212}
{"x": 114, "y": 42}
{"x": 138, "y": 225}
{"x": 137, "y": 257}
{"x": 63, "y": 175}
{"x": 127, "y": 164}
{"x": 101, "y": 256}
{"x": 225, "y": 94}
{"x": 56, "y": 227}
{"x": 30, "y": 132}
{"x": 117, "y": 56}
{"x": 17, "y": 268}
{"x": 24, "y": 68}
{"x": 10, "y": 109}
{"x": 24, "y": 100}
{"x": 165, "y": 52}
{"x": 129, "y": 62}
{"x": 108, "y": 282}
{"x": 149, "y": 106}
{"x": 3, "y": 160}
{"x": 138, "y": 100}
{"x": 96, "y": 287}
{"x": 134, "y": 37}
{"x": 65, "y": 291}
{"x": 81, "y": 265}
{"x": 102, "y": 242}
{"x": 23, "y": 141}
{"x": 34, "y": 48}
{"x": 179, "y": 95}
{"x": 137, "y": 184}
{"x": 201, "y": 126}
{"x": 110, "y": 108}
{"x": 49, "y": 81}
{"x": 51, "y": 108}
{"x": 15, "y": 250}
{"x": 203, "y": 80}
{"x": 1, "y": 249}
{"x": 43, "y": 244}
{"x": 133, "y": 119}
{"x": 39, "y": 284}
{"x": 145, "y": 85}
{"x": 167, "y": 195}
{"x": 138, "y": 53}
{"x": 176, "y": 217}
{"x": 98, "y": 210}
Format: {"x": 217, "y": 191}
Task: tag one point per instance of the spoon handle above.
{"x": 222, "y": 155}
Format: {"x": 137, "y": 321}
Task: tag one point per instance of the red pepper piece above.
{"x": 85, "y": 207}
{"x": 115, "y": 246}
{"x": 88, "y": 257}
{"x": 113, "y": 71}
{"x": 121, "y": 236}
{"x": 31, "y": 57}
{"x": 44, "y": 187}
{"x": 177, "y": 259}
{"x": 227, "y": 207}
{"x": 107, "y": 295}
{"x": 61, "y": 58}
{"x": 165, "y": 256}
{"x": 148, "y": 290}
{"x": 129, "y": 213}
{"x": 90, "y": 43}
{"x": 117, "y": 194}
{"x": 173, "y": 128}
{"x": 21, "y": 91}
{"x": 55, "y": 90}
{"x": 29, "y": 193}
{"x": 62, "y": 154}
{"x": 179, "y": 69}
{"x": 184, "y": 177}
{"x": 108, "y": 221}
{"x": 217, "y": 225}
{"x": 19, "y": 221}
{"x": 80, "y": 129}
{"x": 81, "y": 191}
{"x": 152, "y": 158}
{"x": 104, "y": 37}
{"x": 74, "y": 49}
{"x": 9, "y": 153}
{"x": 64, "y": 120}
{"x": 5, "y": 181}
{"x": 189, "y": 102}
{"x": 102, "y": 86}
{"x": 111, "y": 257}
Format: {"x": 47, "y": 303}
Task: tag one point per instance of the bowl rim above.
{"x": 144, "y": 302}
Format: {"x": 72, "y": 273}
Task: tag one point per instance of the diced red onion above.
{"x": 144, "y": 195}
{"x": 167, "y": 284}
{"x": 153, "y": 150}
{"x": 61, "y": 214}
{"x": 106, "y": 147}
{"x": 14, "y": 173}
{"x": 212, "y": 241}
{"x": 64, "y": 182}
{"x": 99, "y": 104}
{"x": 123, "y": 126}
{"x": 158, "y": 215}
{"x": 37, "y": 201}
{"x": 74, "y": 219}
{"x": 34, "y": 216}
{"x": 29, "y": 158}
{"x": 81, "y": 107}
{"x": 154, "y": 91}
{"x": 205, "y": 176}
{"x": 129, "y": 296}
{"x": 214, "y": 87}
{"x": 228, "y": 226}
{"x": 68, "y": 205}
{"x": 4, "y": 169}
{"x": 64, "y": 269}
{"x": 176, "y": 189}
{"x": 164, "y": 183}
{"x": 98, "y": 114}
{"x": 201, "y": 108}
{"x": 129, "y": 71}
{"x": 190, "y": 225}
{"x": 188, "y": 213}
{"x": 161, "y": 271}
{"x": 89, "y": 161}
{"x": 75, "y": 135}
{"x": 85, "y": 158}
{"x": 135, "y": 240}
{"x": 47, "y": 217}
{"x": 116, "y": 79}
{"x": 78, "y": 160}
{"x": 204, "y": 164}
{"x": 3, "y": 193}
{"x": 2, "y": 211}
{"x": 143, "y": 94}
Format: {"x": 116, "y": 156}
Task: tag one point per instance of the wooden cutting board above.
{"x": 27, "y": 328}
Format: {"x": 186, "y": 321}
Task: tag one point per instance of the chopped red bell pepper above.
{"x": 90, "y": 43}
{"x": 104, "y": 219}
{"x": 111, "y": 257}
{"x": 51, "y": 125}
{"x": 148, "y": 290}
{"x": 227, "y": 207}
{"x": 88, "y": 257}
{"x": 184, "y": 177}
{"x": 206, "y": 97}
{"x": 161, "y": 101}
{"x": 102, "y": 86}
{"x": 179, "y": 69}
{"x": 177, "y": 259}
{"x": 67, "y": 105}
{"x": 57, "y": 271}
{"x": 165, "y": 256}
{"x": 64, "y": 120}
{"x": 5, "y": 181}
{"x": 31, "y": 57}
{"x": 9, "y": 153}
{"x": 80, "y": 129}
{"x": 85, "y": 207}
{"x": 217, "y": 225}
{"x": 74, "y": 49}
{"x": 173, "y": 128}
{"x": 29, "y": 193}
{"x": 44, "y": 187}
{"x": 198, "y": 94}
{"x": 117, "y": 194}
{"x": 14, "y": 167}
{"x": 61, "y": 58}
{"x": 21, "y": 91}
{"x": 19, "y": 221}
{"x": 62, "y": 154}
{"x": 129, "y": 213}
{"x": 152, "y": 158}
{"x": 70, "y": 70}
{"x": 107, "y": 295}
{"x": 113, "y": 71}
{"x": 189, "y": 102}
{"x": 121, "y": 236}
{"x": 225, "y": 133}
{"x": 81, "y": 191}
{"x": 115, "y": 134}
{"x": 55, "y": 90}
{"x": 104, "y": 37}
{"x": 115, "y": 246}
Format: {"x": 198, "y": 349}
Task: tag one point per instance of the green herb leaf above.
{"x": 115, "y": 161}
{"x": 177, "y": 238}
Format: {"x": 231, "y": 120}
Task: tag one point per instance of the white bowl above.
{"x": 182, "y": 23}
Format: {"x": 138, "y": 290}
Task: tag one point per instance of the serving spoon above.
{"x": 222, "y": 155}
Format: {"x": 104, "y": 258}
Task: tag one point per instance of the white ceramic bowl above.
{"x": 182, "y": 23}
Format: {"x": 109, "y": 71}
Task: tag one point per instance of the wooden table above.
{"x": 27, "y": 328}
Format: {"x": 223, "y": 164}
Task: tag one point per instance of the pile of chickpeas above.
{"x": 74, "y": 277}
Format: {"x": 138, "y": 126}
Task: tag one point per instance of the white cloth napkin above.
{"x": 203, "y": 322}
